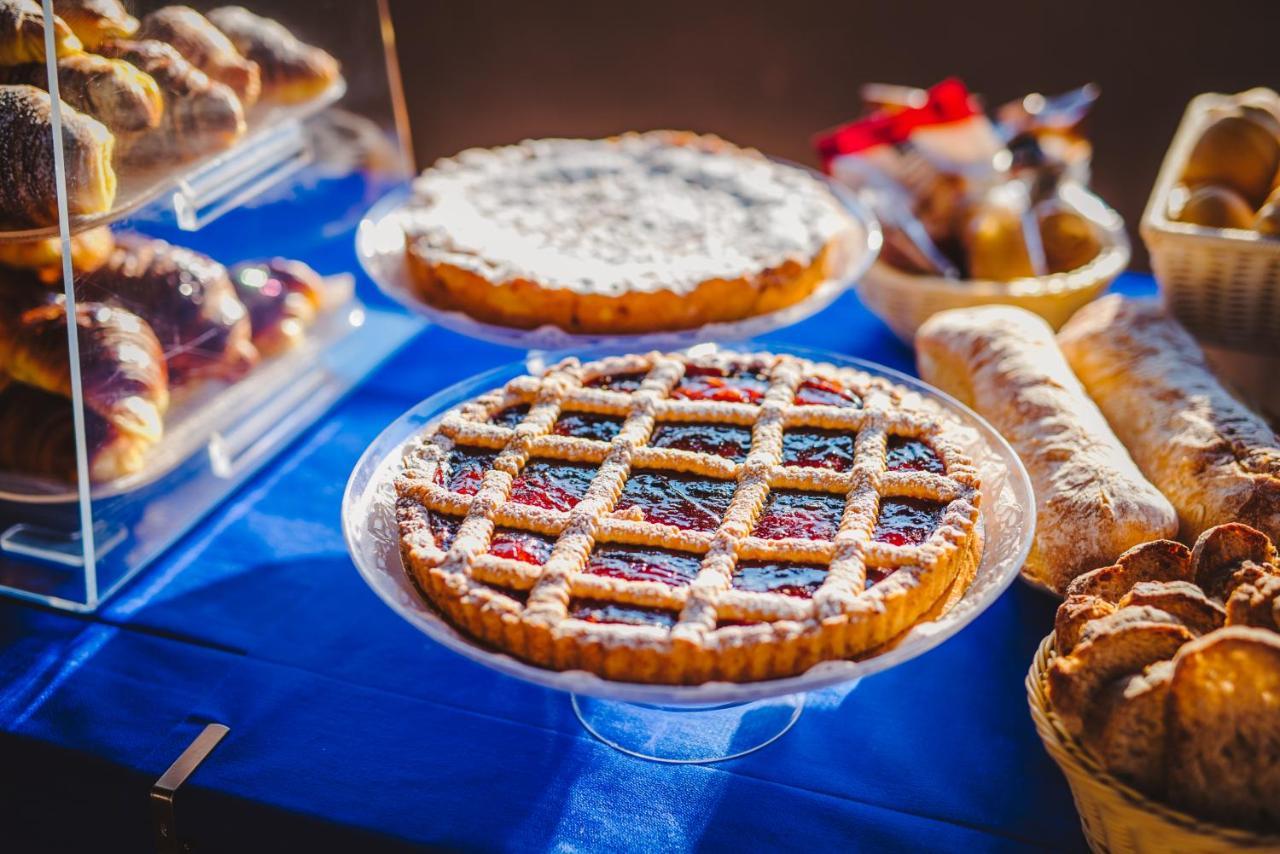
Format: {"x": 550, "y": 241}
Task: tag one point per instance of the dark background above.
{"x": 771, "y": 74}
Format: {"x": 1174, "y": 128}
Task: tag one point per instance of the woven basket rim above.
{"x": 1155, "y": 223}
{"x": 1075, "y": 758}
{"x": 1110, "y": 261}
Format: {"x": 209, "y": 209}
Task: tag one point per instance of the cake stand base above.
{"x": 688, "y": 735}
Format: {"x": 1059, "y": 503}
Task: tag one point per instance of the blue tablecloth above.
{"x": 349, "y": 728}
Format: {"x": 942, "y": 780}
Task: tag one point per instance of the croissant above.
{"x": 96, "y": 21}
{"x": 38, "y": 437}
{"x": 22, "y": 26}
{"x": 115, "y": 93}
{"x": 188, "y": 300}
{"x": 28, "y": 195}
{"x": 291, "y": 70}
{"x": 123, "y": 375}
{"x": 282, "y": 297}
{"x": 200, "y": 115}
{"x": 204, "y": 46}
{"x": 43, "y": 258}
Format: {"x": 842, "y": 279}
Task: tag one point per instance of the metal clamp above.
{"x": 164, "y": 789}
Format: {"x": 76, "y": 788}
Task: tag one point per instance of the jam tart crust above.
{"x": 681, "y": 630}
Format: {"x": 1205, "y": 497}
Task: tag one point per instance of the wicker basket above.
{"x": 905, "y": 300}
{"x": 1223, "y": 284}
{"x": 1116, "y": 817}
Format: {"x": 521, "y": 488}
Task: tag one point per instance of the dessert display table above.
{"x": 349, "y": 727}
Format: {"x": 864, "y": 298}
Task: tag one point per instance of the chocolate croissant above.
{"x": 200, "y": 115}
{"x": 204, "y": 46}
{"x": 123, "y": 375}
{"x": 292, "y": 71}
{"x": 282, "y": 297}
{"x": 43, "y": 258}
{"x": 189, "y": 301}
{"x": 22, "y": 26}
{"x": 115, "y": 93}
{"x": 96, "y": 21}
{"x": 28, "y": 194}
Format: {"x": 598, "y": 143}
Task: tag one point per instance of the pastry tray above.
{"x": 369, "y": 526}
{"x": 201, "y": 189}
{"x": 380, "y": 245}
{"x": 216, "y": 416}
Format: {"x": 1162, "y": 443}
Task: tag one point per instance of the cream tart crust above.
{"x": 642, "y": 232}
{"x": 715, "y": 567}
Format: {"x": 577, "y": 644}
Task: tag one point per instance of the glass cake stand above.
{"x": 713, "y": 721}
{"x": 380, "y": 245}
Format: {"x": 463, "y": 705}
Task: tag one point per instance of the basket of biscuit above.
{"x": 1212, "y": 224}
{"x": 977, "y": 210}
{"x": 1158, "y": 694}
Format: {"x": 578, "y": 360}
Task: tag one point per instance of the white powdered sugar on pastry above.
{"x": 643, "y": 212}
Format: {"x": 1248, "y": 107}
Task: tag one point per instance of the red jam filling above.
{"x": 511, "y": 416}
{"x": 523, "y": 546}
{"x": 599, "y": 611}
{"x": 636, "y": 563}
{"x": 521, "y": 596}
{"x": 685, "y": 501}
{"x": 907, "y": 521}
{"x": 444, "y": 529}
{"x": 617, "y": 382}
{"x": 805, "y": 515}
{"x": 467, "y": 467}
{"x": 585, "y": 425}
{"x": 826, "y": 449}
{"x": 912, "y": 455}
{"x": 876, "y": 574}
{"x": 722, "y": 440}
{"x": 789, "y": 579}
{"x": 820, "y": 392}
{"x": 552, "y": 484}
{"x": 730, "y": 385}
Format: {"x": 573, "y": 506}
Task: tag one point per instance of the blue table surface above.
{"x": 349, "y": 728}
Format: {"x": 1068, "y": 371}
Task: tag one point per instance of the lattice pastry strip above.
{"x": 676, "y": 518}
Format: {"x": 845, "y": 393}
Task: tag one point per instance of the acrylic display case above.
{"x": 179, "y": 293}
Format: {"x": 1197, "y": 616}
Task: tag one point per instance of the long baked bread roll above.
{"x": 1092, "y": 503}
{"x": 1213, "y": 458}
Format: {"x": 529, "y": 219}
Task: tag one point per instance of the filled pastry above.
{"x": 187, "y": 298}
{"x": 291, "y": 70}
{"x": 22, "y": 33}
{"x": 1214, "y": 459}
{"x": 204, "y": 46}
{"x": 1092, "y": 503}
{"x": 28, "y": 192}
{"x": 96, "y": 21}
{"x": 115, "y": 93}
{"x": 282, "y": 297}
{"x": 43, "y": 258}
{"x": 200, "y": 115}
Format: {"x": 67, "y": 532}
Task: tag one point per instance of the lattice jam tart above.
{"x": 678, "y": 519}
{"x": 637, "y": 233}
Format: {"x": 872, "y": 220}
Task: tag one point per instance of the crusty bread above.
{"x": 1215, "y": 460}
{"x": 1224, "y": 728}
{"x": 1073, "y": 615}
{"x": 1162, "y": 560}
{"x": 1124, "y": 649}
{"x": 1092, "y": 503}
{"x": 1222, "y": 551}
{"x": 1126, "y": 727}
{"x": 1181, "y": 600}
{"x": 1256, "y": 604}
